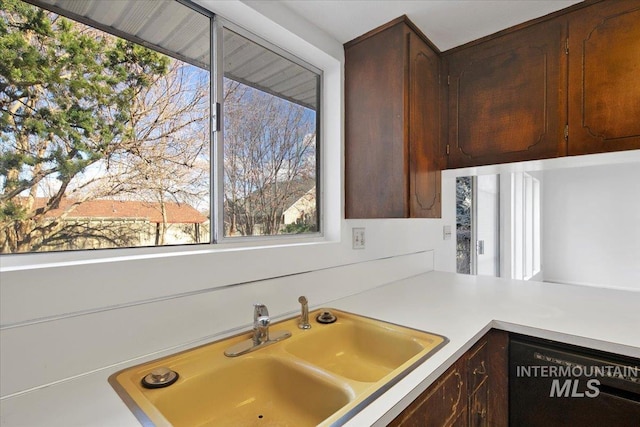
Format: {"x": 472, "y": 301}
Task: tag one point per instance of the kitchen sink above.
{"x": 319, "y": 376}
{"x": 360, "y": 349}
{"x": 255, "y": 390}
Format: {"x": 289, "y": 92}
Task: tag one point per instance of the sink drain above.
{"x": 326, "y": 317}
{"x": 159, "y": 378}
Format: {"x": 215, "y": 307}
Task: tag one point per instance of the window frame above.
{"x": 218, "y": 24}
{"x": 217, "y": 240}
{"x": 526, "y": 192}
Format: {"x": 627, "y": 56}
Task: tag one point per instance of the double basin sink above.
{"x": 319, "y": 376}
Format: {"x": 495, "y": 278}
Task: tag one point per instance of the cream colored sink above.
{"x": 320, "y": 376}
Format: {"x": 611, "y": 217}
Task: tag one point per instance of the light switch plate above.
{"x": 446, "y": 232}
{"x": 357, "y": 235}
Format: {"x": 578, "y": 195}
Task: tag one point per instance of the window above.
{"x": 464, "y": 213}
{"x": 106, "y": 128}
{"x": 526, "y": 231}
{"x": 269, "y": 151}
{"x": 478, "y": 225}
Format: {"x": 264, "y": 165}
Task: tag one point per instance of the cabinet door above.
{"x": 507, "y": 97}
{"x": 376, "y": 170}
{"x": 442, "y": 404}
{"x": 604, "y": 77}
{"x": 424, "y": 130}
{"x": 478, "y": 406}
{"x": 487, "y": 368}
{"x": 497, "y": 363}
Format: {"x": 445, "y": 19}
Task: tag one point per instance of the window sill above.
{"x": 30, "y": 261}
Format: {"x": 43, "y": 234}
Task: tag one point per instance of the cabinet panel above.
{"x": 497, "y": 362}
{"x": 478, "y": 406}
{"x": 507, "y": 98}
{"x": 376, "y": 170}
{"x": 477, "y": 372}
{"x": 424, "y": 130}
{"x": 604, "y": 77}
{"x": 392, "y": 122}
{"x": 443, "y": 404}
{"x": 473, "y": 391}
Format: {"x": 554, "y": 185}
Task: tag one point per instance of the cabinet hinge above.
{"x": 566, "y": 46}
{"x": 447, "y": 149}
{"x": 566, "y": 132}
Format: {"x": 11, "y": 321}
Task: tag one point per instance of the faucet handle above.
{"x": 263, "y": 321}
{"x": 260, "y": 310}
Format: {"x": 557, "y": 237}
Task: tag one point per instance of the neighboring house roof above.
{"x": 177, "y": 213}
{"x": 299, "y": 190}
{"x": 295, "y": 190}
{"x": 302, "y": 205}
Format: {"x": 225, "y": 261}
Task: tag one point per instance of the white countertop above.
{"x": 460, "y": 307}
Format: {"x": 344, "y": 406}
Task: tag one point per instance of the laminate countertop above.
{"x": 460, "y": 307}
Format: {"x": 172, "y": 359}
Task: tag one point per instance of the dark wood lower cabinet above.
{"x": 472, "y": 392}
{"x": 442, "y": 404}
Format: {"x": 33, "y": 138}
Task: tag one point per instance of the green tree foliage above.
{"x": 66, "y": 96}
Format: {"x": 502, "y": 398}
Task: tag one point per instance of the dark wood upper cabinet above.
{"x": 425, "y": 156}
{"x": 563, "y": 84}
{"x": 507, "y": 97}
{"x": 604, "y": 77}
{"x": 392, "y": 129}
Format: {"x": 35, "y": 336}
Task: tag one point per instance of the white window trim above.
{"x": 525, "y": 226}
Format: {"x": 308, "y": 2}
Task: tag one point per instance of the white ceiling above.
{"x": 447, "y": 23}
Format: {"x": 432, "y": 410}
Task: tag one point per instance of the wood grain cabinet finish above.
{"x": 392, "y": 129}
{"x": 425, "y": 156}
{"x": 442, "y": 404}
{"x": 566, "y": 85}
{"x": 604, "y": 77}
{"x": 472, "y": 392}
{"x": 507, "y": 97}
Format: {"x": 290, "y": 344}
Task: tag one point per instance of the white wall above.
{"x": 586, "y": 242}
{"x": 591, "y": 227}
{"x": 62, "y": 315}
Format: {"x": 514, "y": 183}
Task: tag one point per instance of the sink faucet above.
{"x": 303, "y": 321}
{"x": 261, "y": 336}
{"x": 261, "y": 323}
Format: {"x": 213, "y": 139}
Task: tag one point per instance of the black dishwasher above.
{"x": 553, "y": 384}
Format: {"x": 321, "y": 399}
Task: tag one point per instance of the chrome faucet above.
{"x": 303, "y": 321}
{"x": 261, "y": 336}
{"x": 261, "y": 323}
